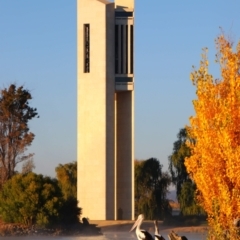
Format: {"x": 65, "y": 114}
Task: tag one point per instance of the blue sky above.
{"x": 38, "y": 49}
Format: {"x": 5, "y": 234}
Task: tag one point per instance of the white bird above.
{"x": 157, "y": 235}
{"x": 141, "y": 234}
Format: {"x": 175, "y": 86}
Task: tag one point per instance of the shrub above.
{"x": 31, "y": 199}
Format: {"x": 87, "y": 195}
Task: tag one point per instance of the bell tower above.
{"x": 105, "y": 108}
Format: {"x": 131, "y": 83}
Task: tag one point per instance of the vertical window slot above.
{"x": 86, "y": 48}
{"x": 116, "y": 49}
{"x": 121, "y": 57}
{"x": 126, "y": 50}
{"x": 131, "y": 49}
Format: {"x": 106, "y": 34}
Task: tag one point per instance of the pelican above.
{"x": 141, "y": 234}
{"x": 174, "y": 236}
{"x": 157, "y": 235}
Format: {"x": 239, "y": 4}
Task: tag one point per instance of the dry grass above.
{"x": 7, "y": 229}
{"x": 174, "y": 205}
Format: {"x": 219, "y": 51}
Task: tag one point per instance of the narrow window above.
{"x": 116, "y": 49}
{"x": 121, "y": 70}
{"x": 131, "y": 49}
{"x": 126, "y": 55}
{"x": 86, "y": 48}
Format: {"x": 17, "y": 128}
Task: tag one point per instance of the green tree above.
{"x": 67, "y": 180}
{"x": 176, "y": 160}
{"x": 15, "y": 136}
{"x": 186, "y": 189}
{"x": 31, "y": 199}
{"x": 187, "y": 199}
{"x": 151, "y": 185}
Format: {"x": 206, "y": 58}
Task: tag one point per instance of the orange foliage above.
{"x": 215, "y": 161}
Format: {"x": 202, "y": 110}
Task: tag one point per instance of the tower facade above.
{"x": 105, "y": 108}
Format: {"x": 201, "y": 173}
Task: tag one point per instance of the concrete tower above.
{"x": 105, "y": 114}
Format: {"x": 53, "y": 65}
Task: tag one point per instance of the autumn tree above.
{"x": 15, "y": 136}
{"x": 151, "y": 185}
{"x": 215, "y": 161}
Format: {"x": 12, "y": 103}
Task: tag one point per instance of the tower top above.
{"x": 124, "y": 3}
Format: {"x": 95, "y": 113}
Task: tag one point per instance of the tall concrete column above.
{"x": 102, "y": 147}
